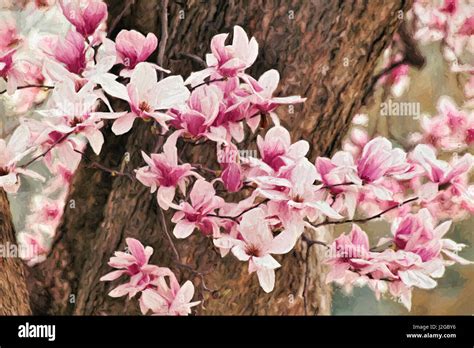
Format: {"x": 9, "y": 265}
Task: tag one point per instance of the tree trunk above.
{"x": 324, "y": 50}
{"x": 14, "y": 298}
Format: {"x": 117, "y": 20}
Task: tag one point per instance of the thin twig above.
{"x": 337, "y": 185}
{"x": 165, "y": 229}
{"x": 193, "y": 57}
{"x": 117, "y": 19}
{"x": 164, "y": 35}
{"x": 200, "y": 274}
{"x": 44, "y": 153}
{"x": 30, "y": 86}
{"x": 312, "y": 242}
{"x": 178, "y": 257}
{"x": 242, "y": 213}
{"x": 364, "y": 220}
{"x": 97, "y": 165}
{"x": 208, "y": 83}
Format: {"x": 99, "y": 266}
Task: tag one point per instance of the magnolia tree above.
{"x": 67, "y": 87}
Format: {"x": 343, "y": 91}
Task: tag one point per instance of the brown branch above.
{"x": 97, "y": 165}
{"x": 412, "y": 53}
{"x": 364, "y": 220}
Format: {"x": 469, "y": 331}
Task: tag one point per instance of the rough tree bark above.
{"x": 14, "y": 299}
{"x": 324, "y": 50}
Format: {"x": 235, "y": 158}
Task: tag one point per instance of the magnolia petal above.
{"x": 266, "y": 278}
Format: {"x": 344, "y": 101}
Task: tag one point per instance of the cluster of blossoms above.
{"x": 412, "y": 257}
{"x": 450, "y": 22}
{"x": 452, "y": 129}
{"x": 287, "y": 194}
{"x": 160, "y": 291}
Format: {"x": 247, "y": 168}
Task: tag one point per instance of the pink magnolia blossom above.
{"x": 135, "y": 264}
{"x": 9, "y": 36}
{"x": 47, "y": 211}
{"x": 71, "y": 52}
{"x": 7, "y": 70}
{"x": 73, "y": 113}
{"x": 33, "y": 247}
{"x": 416, "y": 233}
{"x": 164, "y": 173}
{"x": 228, "y": 60}
{"x": 200, "y": 112}
{"x": 358, "y": 136}
{"x": 450, "y": 7}
{"x": 391, "y": 271}
{"x": 133, "y": 48}
{"x": 441, "y": 174}
{"x": 450, "y": 130}
{"x": 11, "y": 153}
{"x": 235, "y": 107}
{"x": 24, "y": 99}
{"x": 449, "y": 22}
{"x": 195, "y": 215}
{"x": 85, "y": 15}
{"x": 169, "y": 300}
{"x": 435, "y": 132}
{"x": 467, "y": 28}
{"x": 277, "y": 151}
{"x": 338, "y": 176}
{"x": 348, "y": 252}
{"x": 64, "y": 154}
{"x": 232, "y": 177}
{"x": 337, "y": 171}
{"x": 146, "y": 97}
{"x": 293, "y": 196}
{"x": 149, "y": 280}
{"x": 9, "y": 41}
{"x": 379, "y": 159}
{"x": 263, "y": 99}
{"x": 256, "y": 244}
